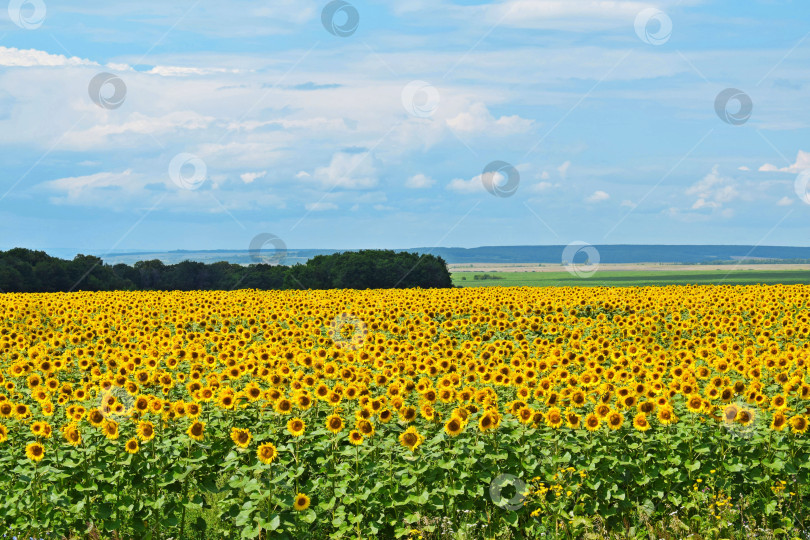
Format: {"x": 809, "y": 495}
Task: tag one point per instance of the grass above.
{"x": 633, "y": 278}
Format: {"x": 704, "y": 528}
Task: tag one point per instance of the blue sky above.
{"x": 251, "y": 117}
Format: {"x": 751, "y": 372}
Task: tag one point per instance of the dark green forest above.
{"x": 24, "y": 270}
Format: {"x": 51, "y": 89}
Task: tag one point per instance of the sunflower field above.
{"x": 652, "y": 412}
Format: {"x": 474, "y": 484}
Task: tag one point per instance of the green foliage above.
{"x": 23, "y": 270}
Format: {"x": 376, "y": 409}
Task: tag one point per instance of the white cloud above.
{"x": 478, "y": 120}
{"x": 628, "y": 203}
{"x": 563, "y": 169}
{"x": 473, "y": 185}
{"x": 542, "y": 186}
{"x": 570, "y": 14}
{"x": 139, "y": 124}
{"x": 419, "y": 181}
{"x": 703, "y": 203}
{"x": 544, "y": 175}
{"x": 320, "y": 206}
{"x": 597, "y": 196}
{"x": 181, "y": 71}
{"x": 743, "y": 168}
{"x": 802, "y": 163}
{"x": 249, "y": 177}
{"x": 713, "y": 190}
{"x": 12, "y": 57}
{"x": 785, "y": 201}
{"x": 349, "y": 171}
{"x": 303, "y": 174}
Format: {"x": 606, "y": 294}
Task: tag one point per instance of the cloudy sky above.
{"x": 196, "y": 124}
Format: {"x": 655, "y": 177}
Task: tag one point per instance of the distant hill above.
{"x": 680, "y": 254}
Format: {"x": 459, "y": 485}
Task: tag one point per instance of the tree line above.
{"x": 25, "y": 270}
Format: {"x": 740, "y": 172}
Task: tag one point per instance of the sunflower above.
{"x": 111, "y": 430}
{"x": 296, "y": 427}
{"x": 525, "y": 415}
{"x": 196, "y": 430}
{"x": 411, "y": 438}
{"x": 301, "y": 502}
{"x": 592, "y": 422}
{"x": 365, "y": 427}
{"x": 355, "y": 437}
{"x": 694, "y": 404}
{"x": 334, "y": 423}
{"x": 96, "y": 418}
{"x": 798, "y": 424}
{"x": 41, "y": 429}
{"x": 554, "y": 418}
{"x": 666, "y": 416}
{"x": 646, "y": 406}
{"x": 407, "y": 414}
{"x": 428, "y": 412}
{"x": 35, "y": 451}
{"x": 453, "y": 427}
{"x": 486, "y": 422}
{"x": 572, "y": 420}
{"x": 745, "y": 417}
{"x": 193, "y": 410}
{"x": 3, "y": 433}
{"x": 145, "y": 431}
{"x": 602, "y": 410}
{"x": 284, "y": 406}
{"x": 132, "y": 446}
{"x": 241, "y": 437}
{"x": 266, "y": 453}
{"x": 615, "y": 420}
{"x": 778, "y": 422}
{"x": 730, "y": 413}
{"x": 71, "y": 434}
{"x": 640, "y": 422}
